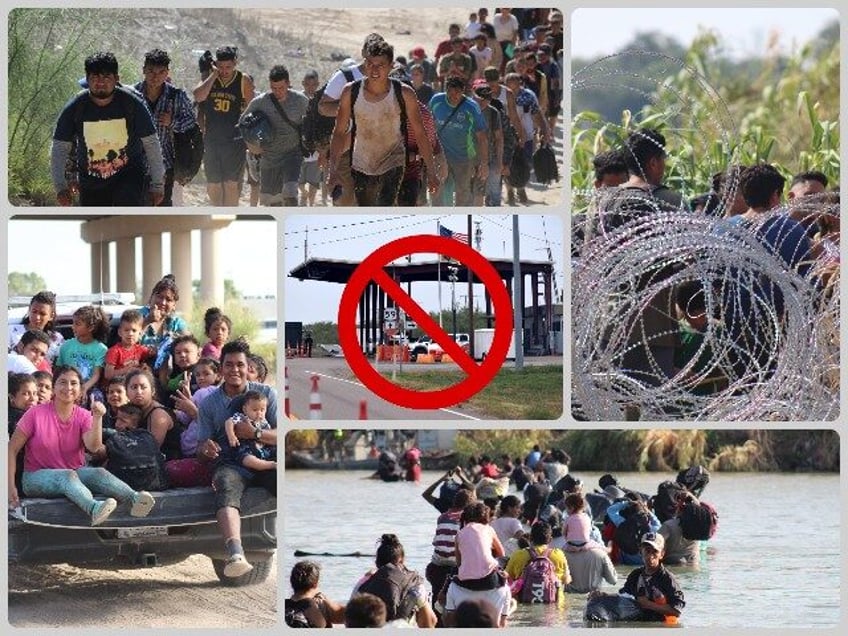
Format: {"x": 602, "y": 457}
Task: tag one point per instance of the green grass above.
{"x": 532, "y": 393}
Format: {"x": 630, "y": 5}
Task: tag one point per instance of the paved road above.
{"x": 341, "y": 394}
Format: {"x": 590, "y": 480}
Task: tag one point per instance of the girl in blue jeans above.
{"x": 54, "y": 437}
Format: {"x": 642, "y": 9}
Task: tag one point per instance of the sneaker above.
{"x": 237, "y": 566}
{"x": 142, "y": 504}
{"x": 102, "y": 510}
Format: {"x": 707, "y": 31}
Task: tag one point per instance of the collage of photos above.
{"x": 455, "y": 109}
{"x": 638, "y": 439}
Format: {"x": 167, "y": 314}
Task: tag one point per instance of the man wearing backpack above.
{"x": 328, "y": 106}
{"x": 116, "y": 142}
{"x": 378, "y": 110}
{"x": 539, "y": 573}
{"x": 173, "y": 113}
{"x": 279, "y": 170}
{"x": 221, "y": 98}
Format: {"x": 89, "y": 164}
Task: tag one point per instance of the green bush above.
{"x": 781, "y": 111}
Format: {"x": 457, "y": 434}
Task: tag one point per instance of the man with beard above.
{"x": 116, "y": 142}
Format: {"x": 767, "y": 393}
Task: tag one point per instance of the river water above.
{"x": 774, "y": 561}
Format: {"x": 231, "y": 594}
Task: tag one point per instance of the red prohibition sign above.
{"x": 371, "y": 269}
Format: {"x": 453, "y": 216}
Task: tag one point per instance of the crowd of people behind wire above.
{"x": 147, "y": 408}
{"x": 468, "y": 122}
{"x": 495, "y": 548}
{"x": 717, "y": 296}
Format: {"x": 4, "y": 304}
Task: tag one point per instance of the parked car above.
{"x": 113, "y": 304}
{"x": 419, "y": 346}
{"x": 462, "y": 339}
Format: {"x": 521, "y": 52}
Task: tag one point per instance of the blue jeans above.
{"x": 493, "y": 187}
{"x": 76, "y": 485}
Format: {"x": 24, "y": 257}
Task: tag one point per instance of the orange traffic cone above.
{"x": 315, "y": 401}
{"x": 363, "y": 410}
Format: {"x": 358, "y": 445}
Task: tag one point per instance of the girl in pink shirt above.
{"x": 477, "y": 545}
{"x": 577, "y": 525}
{"x": 55, "y": 436}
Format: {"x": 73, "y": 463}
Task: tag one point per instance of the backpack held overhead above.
{"x": 698, "y": 521}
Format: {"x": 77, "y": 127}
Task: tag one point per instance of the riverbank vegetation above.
{"x": 650, "y": 449}
{"x": 666, "y": 450}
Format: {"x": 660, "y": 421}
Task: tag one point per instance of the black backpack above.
{"x": 134, "y": 458}
{"x": 397, "y": 87}
{"x": 664, "y": 503}
{"x": 694, "y": 478}
{"x": 519, "y": 170}
{"x": 545, "y": 165}
{"x": 510, "y": 135}
{"x": 256, "y": 129}
{"x": 316, "y": 128}
{"x": 392, "y": 584}
{"x": 628, "y": 534}
{"x": 188, "y": 154}
{"x": 294, "y": 615}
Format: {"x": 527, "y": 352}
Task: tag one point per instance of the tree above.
{"x": 21, "y": 284}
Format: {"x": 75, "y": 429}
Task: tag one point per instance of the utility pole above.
{"x": 470, "y": 275}
{"x": 452, "y": 277}
{"x": 517, "y": 295}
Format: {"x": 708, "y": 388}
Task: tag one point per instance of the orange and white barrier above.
{"x": 315, "y": 401}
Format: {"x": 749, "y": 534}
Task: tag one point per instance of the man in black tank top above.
{"x": 222, "y": 97}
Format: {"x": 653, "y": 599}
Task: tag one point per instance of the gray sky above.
{"x": 597, "y": 32}
{"x": 346, "y": 237}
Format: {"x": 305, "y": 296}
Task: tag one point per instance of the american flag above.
{"x": 443, "y": 231}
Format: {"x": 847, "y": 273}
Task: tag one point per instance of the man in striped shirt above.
{"x": 443, "y": 563}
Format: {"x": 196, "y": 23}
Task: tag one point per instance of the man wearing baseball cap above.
{"x": 652, "y": 585}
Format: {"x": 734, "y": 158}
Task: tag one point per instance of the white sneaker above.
{"x": 142, "y": 504}
{"x": 237, "y": 566}
{"x": 102, "y": 510}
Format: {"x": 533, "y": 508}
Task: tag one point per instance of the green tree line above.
{"x": 781, "y": 110}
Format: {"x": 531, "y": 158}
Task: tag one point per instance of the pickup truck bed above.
{"x": 182, "y": 523}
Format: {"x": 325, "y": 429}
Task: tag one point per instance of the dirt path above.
{"x": 187, "y": 594}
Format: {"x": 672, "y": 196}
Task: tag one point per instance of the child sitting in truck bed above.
{"x": 249, "y": 455}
